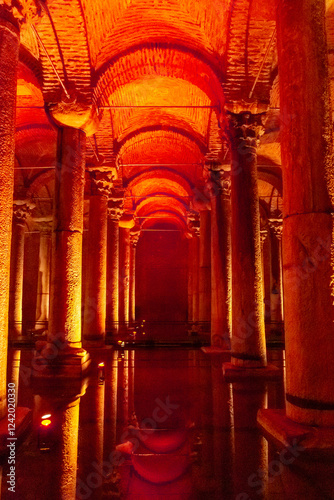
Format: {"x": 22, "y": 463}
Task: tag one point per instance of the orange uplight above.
{"x": 101, "y": 365}
{"x": 46, "y": 416}
{"x": 46, "y": 422}
{"x": 119, "y": 341}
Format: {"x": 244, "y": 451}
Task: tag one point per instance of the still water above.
{"x": 156, "y": 424}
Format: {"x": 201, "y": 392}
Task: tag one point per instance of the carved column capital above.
{"x": 101, "y": 182}
{"x": 115, "y": 204}
{"x": 22, "y": 10}
{"x": 263, "y": 236}
{"x": 219, "y": 182}
{"x": 21, "y": 211}
{"x": 193, "y": 222}
{"x": 276, "y": 225}
{"x": 134, "y": 236}
{"x": 244, "y": 128}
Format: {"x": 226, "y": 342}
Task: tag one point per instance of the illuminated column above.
{"x": 193, "y": 223}
{"x": 220, "y": 258}
{"x": 134, "y": 236}
{"x": 263, "y": 237}
{"x": 248, "y": 333}
{"x": 96, "y": 280}
{"x": 124, "y": 276}
{"x": 195, "y": 245}
{"x": 9, "y": 51}
{"x": 21, "y": 211}
{"x": 111, "y": 403}
{"x": 276, "y": 226}
{"x": 114, "y": 214}
{"x": 43, "y": 285}
{"x": 205, "y": 269}
{"x": 307, "y": 158}
{"x": 190, "y": 278}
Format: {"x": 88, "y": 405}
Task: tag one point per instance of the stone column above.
{"x": 134, "y": 237}
{"x": 43, "y": 286}
{"x": 63, "y": 355}
{"x": 124, "y": 277}
{"x": 193, "y": 223}
{"x": 220, "y": 258}
{"x": 21, "y": 211}
{"x": 9, "y": 51}
{"x": 308, "y": 186}
{"x": 248, "y": 333}
{"x": 276, "y": 226}
{"x": 114, "y": 214}
{"x": 263, "y": 238}
{"x": 96, "y": 279}
{"x": 205, "y": 270}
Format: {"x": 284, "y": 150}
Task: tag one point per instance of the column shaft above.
{"x": 220, "y": 263}
{"x": 124, "y": 275}
{"x": 16, "y": 279}
{"x": 66, "y": 268}
{"x": 96, "y": 281}
{"x": 196, "y": 278}
{"x": 308, "y": 220}
{"x": 248, "y": 332}
{"x": 43, "y": 287}
{"x": 113, "y": 274}
{"x": 205, "y": 269}
{"x": 9, "y": 51}
{"x": 132, "y": 292}
{"x": 190, "y": 278}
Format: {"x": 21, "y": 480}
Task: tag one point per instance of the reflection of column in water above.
{"x": 110, "y": 404}
{"x": 131, "y": 382}
{"x": 251, "y": 449}
{"x": 14, "y": 365}
{"x": 65, "y": 459}
{"x": 126, "y": 388}
{"x": 276, "y": 392}
{"x": 223, "y": 445}
{"x": 92, "y": 426}
{"x": 205, "y": 480}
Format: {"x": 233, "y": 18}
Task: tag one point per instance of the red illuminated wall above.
{"x": 161, "y": 275}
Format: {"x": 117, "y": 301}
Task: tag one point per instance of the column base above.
{"x": 212, "y": 350}
{"x": 234, "y": 373}
{"x": 23, "y": 419}
{"x": 308, "y": 441}
{"x": 51, "y": 362}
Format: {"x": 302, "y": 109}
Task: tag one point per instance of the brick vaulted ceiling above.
{"x": 160, "y": 73}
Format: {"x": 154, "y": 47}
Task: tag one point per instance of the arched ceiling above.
{"x": 160, "y": 73}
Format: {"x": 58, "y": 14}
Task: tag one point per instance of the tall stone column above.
{"x": 114, "y": 214}
{"x": 220, "y": 258}
{"x": 63, "y": 355}
{"x": 9, "y": 51}
{"x": 248, "y": 333}
{"x": 43, "y": 285}
{"x": 193, "y": 223}
{"x": 263, "y": 238}
{"x": 308, "y": 187}
{"x": 124, "y": 277}
{"x": 21, "y": 211}
{"x": 205, "y": 269}
{"x": 276, "y": 226}
{"x": 96, "y": 281}
{"x": 134, "y": 237}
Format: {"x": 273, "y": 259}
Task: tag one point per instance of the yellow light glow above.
{"x": 48, "y": 415}
{"x": 46, "y": 422}
{"x": 101, "y": 365}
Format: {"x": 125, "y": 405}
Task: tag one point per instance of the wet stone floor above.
{"x": 156, "y": 424}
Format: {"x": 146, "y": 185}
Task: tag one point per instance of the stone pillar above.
{"x": 276, "y": 226}
{"x": 124, "y": 276}
{"x": 220, "y": 259}
{"x": 43, "y": 285}
{"x": 205, "y": 270}
{"x": 308, "y": 186}
{"x": 263, "y": 238}
{"x": 193, "y": 270}
{"x": 134, "y": 237}
{"x": 9, "y": 51}
{"x": 96, "y": 279}
{"x": 248, "y": 333}
{"x": 21, "y": 210}
{"x": 64, "y": 334}
{"x": 114, "y": 214}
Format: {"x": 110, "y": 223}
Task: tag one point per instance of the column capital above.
{"x": 134, "y": 236}
{"x": 263, "y": 235}
{"x": 21, "y": 211}
{"x": 22, "y": 10}
{"x": 276, "y": 225}
{"x": 101, "y": 182}
{"x": 193, "y": 222}
{"x": 244, "y": 127}
{"x": 219, "y": 182}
